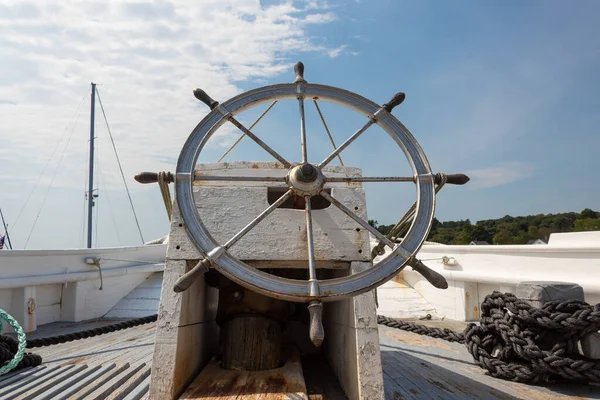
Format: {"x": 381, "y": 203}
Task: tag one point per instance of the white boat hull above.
{"x": 42, "y": 286}
{"x": 474, "y": 271}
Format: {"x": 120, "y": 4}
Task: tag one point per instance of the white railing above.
{"x": 474, "y": 271}
{"x": 43, "y": 286}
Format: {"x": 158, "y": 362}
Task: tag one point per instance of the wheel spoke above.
{"x": 256, "y": 220}
{"x": 309, "y": 239}
{"x": 302, "y": 129}
{"x": 244, "y": 134}
{"x": 372, "y": 179}
{"x": 312, "y": 271}
{"x": 258, "y": 141}
{"x": 346, "y": 143}
{"x": 358, "y": 219}
{"x": 239, "y": 178}
{"x": 327, "y": 130}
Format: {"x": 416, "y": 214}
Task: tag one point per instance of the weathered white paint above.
{"x": 20, "y": 298}
{"x": 65, "y": 288}
{"x": 352, "y": 343}
{"x": 397, "y": 299}
{"x": 48, "y": 301}
{"x": 84, "y": 300}
{"x": 141, "y": 301}
{"x": 186, "y": 331}
{"x": 226, "y": 207}
{"x": 476, "y": 271}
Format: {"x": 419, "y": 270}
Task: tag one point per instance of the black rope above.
{"x": 69, "y": 337}
{"x": 8, "y": 349}
{"x": 9, "y": 345}
{"x": 518, "y": 342}
{"x": 445, "y": 334}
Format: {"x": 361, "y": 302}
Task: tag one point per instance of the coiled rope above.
{"x": 69, "y": 337}
{"x": 518, "y": 342}
{"x": 12, "y": 352}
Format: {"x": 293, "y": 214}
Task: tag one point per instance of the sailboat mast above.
{"x": 91, "y": 169}
{"x": 5, "y": 230}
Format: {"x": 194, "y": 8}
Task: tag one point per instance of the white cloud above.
{"x": 501, "y": 174}
{"x": 337, "y": 51}
{"x": 146, "y": 58}
{"x": 319, "y": 18}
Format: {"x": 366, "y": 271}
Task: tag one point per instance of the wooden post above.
{"x": 251, "y": 343}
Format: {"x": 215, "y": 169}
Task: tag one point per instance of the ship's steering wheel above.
{"x": 305, "y": 179}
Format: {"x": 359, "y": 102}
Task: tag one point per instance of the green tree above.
{"x": 588, "y": 213}
{"x": 444, "y": 235}
{"x": 545, "y": 232}
{"x": 466, "y": 234}
{"x": 588, "y": 224}
{"x": 481, "y": 233}
{"x": 502, "y": 237}
{"x": 508, "y": 229}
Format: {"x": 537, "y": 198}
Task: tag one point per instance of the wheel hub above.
{"x": 305, "y": 179}
{"x": 307, "y": 173}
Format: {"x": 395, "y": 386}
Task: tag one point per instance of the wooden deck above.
{"x": 133, "y": 345}
{"x": 420, "y": 367}
{"x": 117, "y": 365}
{"x": 111, "y": 366}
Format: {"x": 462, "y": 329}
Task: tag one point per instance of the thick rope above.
{"x": 69, "y": 337}
{"x": 163, "y": 184}
{"x": 445, "y": 333}
{"x": 518, "y": 342}
{"x": 12, "y": 352}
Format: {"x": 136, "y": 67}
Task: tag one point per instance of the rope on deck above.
{"x": 12, "y": 352}
{"x": 69, "y": 337}
{"x": 518, "y": 342}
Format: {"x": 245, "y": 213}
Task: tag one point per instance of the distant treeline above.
{"x": 508, "y": 230}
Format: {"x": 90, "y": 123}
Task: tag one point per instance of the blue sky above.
{"x": 505, "y": 91}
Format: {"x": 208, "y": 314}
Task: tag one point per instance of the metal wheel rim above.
{"x": 291, "y": 289}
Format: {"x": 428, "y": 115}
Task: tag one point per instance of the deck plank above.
{"x": 447, "y": 368}
{"x": 133, "y": 345}
{"x": 414, "y": 366}
{"x": 216, "y": 383}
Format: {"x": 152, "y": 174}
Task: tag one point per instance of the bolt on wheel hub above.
{"x": 306, "y": 173}
{"x": 305, "y": 179}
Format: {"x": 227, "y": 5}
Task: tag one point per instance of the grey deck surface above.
{"x": 111, "y": 366}
{"x": 414, "y": 367}
{"x": 420, "y": 367}
{"x": 133, "y": 345}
